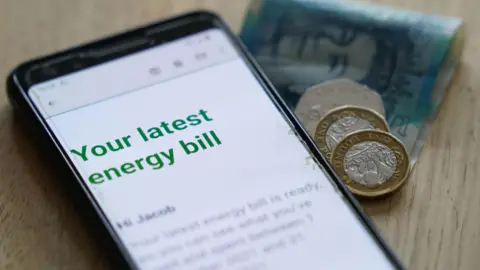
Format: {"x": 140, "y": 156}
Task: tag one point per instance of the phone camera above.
{"x": 77, "y": 65}
{"x": 49, "y": 71}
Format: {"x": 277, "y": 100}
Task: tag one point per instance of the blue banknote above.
{"x": 407, "y": 57}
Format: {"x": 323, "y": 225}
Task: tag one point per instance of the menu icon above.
{"x": 177, "y": 63}
{"x": 201, "y": 56}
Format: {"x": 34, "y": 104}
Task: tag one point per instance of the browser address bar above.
{"x": 131, "y": 73}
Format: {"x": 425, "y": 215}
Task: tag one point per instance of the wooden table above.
{"x": 433, "y": 223}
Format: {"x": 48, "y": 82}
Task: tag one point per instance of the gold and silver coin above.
{"x": 371, "y": 163}
{"x": 321, "y": 98}
{"x": 340, "y": 122}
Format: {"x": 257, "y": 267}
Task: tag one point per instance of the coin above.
{"x": 371, "y": 163}
{"x": 342, "y": 121}
{"x": 321, "y": 98}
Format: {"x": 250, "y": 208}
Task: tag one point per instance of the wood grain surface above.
{"x": 433, "y": 223}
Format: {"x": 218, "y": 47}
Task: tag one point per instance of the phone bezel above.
{"x": 24, "y": 76}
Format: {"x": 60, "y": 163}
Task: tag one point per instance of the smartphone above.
{"x": 181, "y": 155}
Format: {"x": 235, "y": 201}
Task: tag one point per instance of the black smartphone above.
{"x": 181, "y": 155}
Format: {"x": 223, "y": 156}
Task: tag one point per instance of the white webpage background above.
{"x": 258, "y": 157}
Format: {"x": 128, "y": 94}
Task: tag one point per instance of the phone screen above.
{"x": 196, "y": 168}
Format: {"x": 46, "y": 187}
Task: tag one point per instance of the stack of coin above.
{"x": 353, "y": 135}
